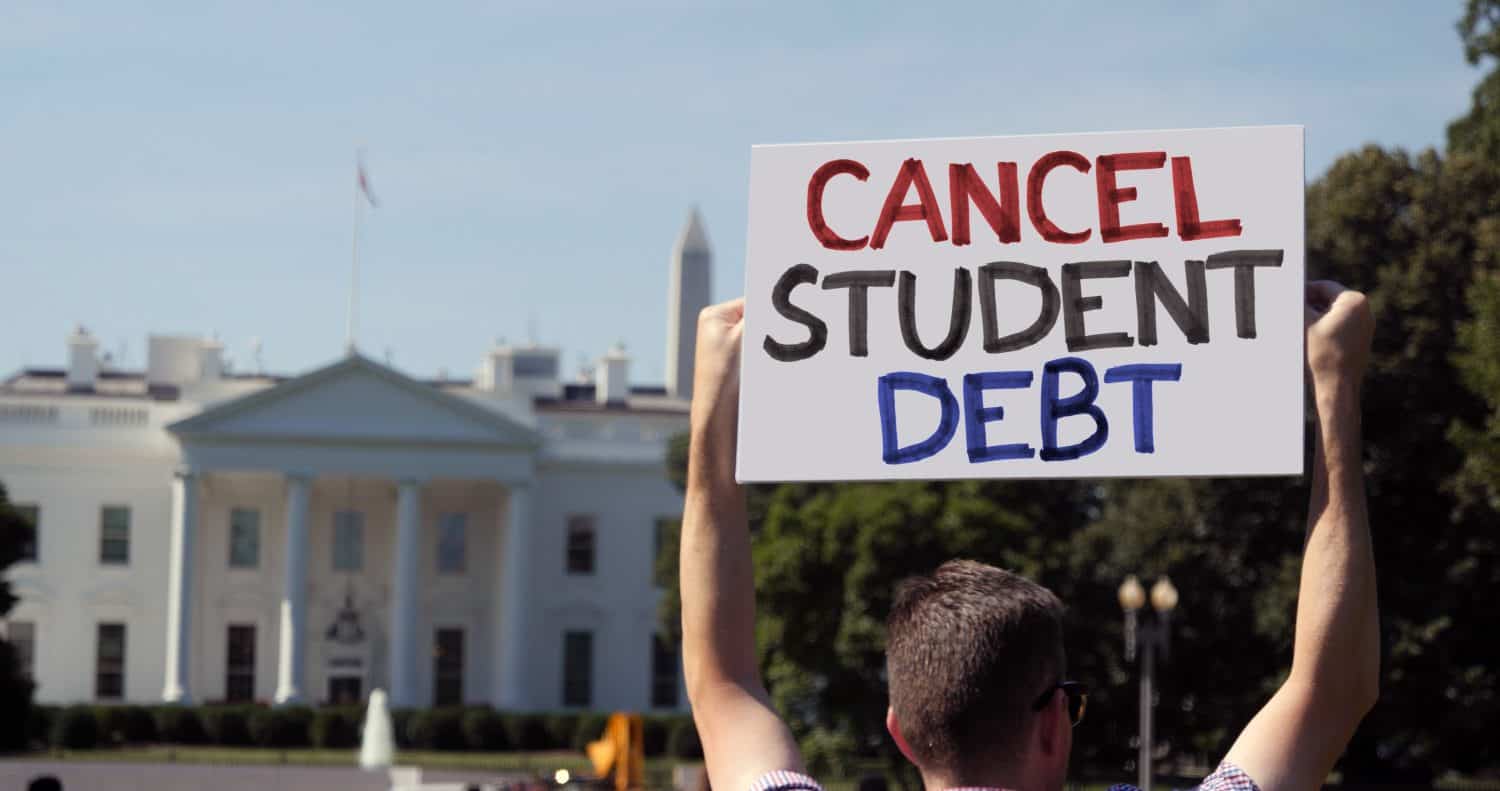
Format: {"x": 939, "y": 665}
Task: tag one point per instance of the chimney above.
{"x": 211, "y": 360}
{"x": 83, "y": 360}
{"x": 529, "y": 370}
{"x": 612, "y": 377}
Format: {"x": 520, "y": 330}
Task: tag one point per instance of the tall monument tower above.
{"x": 687, "y": 293}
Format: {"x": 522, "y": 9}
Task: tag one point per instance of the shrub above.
{"x": 228, "y": 725}
{"x": 125, "y": 724}
{"x": 654, "y": 732}
{"x": 179, "y": 725}
{"x": 401, "y": 726}
{"x": 484, "y": 729}
{"x": 682, "y": 741}
{"x": 590, "y": 728}
{"x": 76, "y": 728}
{"x": 284, "y": 727}
{"x": 39, "y": 723}
{"x": 335, "y": 728}
{"x": 828, "y": 753}
{"x": 447, "y": 728}
{"x": 528, "y": 732}
{"x": 560, "y": 729}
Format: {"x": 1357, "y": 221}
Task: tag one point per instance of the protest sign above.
{"x": 1093, "y": 305}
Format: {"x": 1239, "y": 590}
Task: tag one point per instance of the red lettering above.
{"x": 897, "y": 210}
{"x": 1004, "y": 216}
{"x": 815, "y": 187}
{"x": 1189, "y": 227}
{"x": 1034, "y": 208}
{"x": 1111, "y": 195}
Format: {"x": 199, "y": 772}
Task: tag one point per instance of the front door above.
{"x": 345, "y": 690}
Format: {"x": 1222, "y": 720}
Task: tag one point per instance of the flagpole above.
{"x": 354, "y": 273}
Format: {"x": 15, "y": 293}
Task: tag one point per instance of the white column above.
{"x": 293, "y": 592}
{"x": 407, "y": 573}
{"x": 515, "y": 581}
{"x": 178, "y": 686}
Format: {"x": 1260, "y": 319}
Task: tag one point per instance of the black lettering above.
{"x": 1244, "y": 263}
{"x": 1151, "y": 284}
{"x": 817, "y": 331}
{"x": 958, "y": 323}
{"x": 859, "y": 284}
{"x": 1025, "y": 273}
{"x": 1074, "y": 304}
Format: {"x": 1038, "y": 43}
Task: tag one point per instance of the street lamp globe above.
{"x": 1132, "y": 595}
{"x": 1163, "y": 595}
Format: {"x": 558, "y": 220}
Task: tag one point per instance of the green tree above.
{"x": 15, "y": 688}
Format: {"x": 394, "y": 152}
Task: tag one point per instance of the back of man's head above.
{"x": 969, "y": 649}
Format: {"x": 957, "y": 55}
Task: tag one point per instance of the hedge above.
{"x": 682, "y": 740}
{"x": 76, "y": 728}
{"x": 335, "y": 727}
{"x": 82, "y": 727}
{"x": 282, "y": 727}
{"x": 179, "y": 725}
{"x": 590, "y": 728}
{"x": 126, "y": 725}
{"x": 484, "y": 729}
{"x": 228, "y": 725}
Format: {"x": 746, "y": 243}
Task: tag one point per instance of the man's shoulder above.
{"x": 1227, "y": 777}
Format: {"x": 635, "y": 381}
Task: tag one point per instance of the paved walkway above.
{"x": 102, "y": 776}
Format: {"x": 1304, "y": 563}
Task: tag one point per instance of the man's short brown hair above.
{"x": 968, "y": 651}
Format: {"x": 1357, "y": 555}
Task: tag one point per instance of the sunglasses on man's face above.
{"x": 1078, "y": 699}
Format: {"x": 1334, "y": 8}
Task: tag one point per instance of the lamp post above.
{"x": 1149, "y": 637}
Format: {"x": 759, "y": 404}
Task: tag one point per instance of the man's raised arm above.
{"x": 1294, "y": 741}
{"x": 742, "y": 736}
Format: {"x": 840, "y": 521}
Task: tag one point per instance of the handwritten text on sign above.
{"x": 1060, "y": 306}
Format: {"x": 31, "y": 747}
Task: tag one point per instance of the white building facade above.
{"x": 209, "y": 536}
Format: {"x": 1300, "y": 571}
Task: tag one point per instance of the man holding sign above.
{"x": 975, "y": 662}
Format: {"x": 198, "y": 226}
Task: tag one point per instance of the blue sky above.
{"x": 189, "y": 168}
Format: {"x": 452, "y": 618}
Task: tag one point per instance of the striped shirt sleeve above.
{"x": 782, "y": 780}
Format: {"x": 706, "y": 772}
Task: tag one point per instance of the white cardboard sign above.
{"x": 1060, "y": 306}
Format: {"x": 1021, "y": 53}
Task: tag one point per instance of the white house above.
{"x": 205, "y": 535}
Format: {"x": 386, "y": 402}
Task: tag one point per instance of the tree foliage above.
{"x": 15, "y": 688}
{"x": 1421, "y": 234}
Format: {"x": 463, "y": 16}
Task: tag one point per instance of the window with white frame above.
{"x": 109, "y": 661}
{"x": 578, "y": 668}
{"x": 452, "y": 543}
{"x": 244, "y": 538}
{"x": 348, "y": 540}
{"x": 448, "y": 666}
{"x": 239, "y": 663}
{"x": 580, "y": 549}
{"x": 114, "y": 535}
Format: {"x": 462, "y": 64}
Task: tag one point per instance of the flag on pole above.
{"x": 364, "y": 183}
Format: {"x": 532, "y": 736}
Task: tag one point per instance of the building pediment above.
{"x": 356, "y": 400}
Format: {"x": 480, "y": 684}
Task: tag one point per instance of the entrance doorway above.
{"x": 345, "y": 690}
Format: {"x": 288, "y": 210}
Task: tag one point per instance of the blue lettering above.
{"x": 1142, "y": 376}
{"x": 1082, "y": 402}
{"x": 976, "y": 414}
{"x": 921, "y": 383}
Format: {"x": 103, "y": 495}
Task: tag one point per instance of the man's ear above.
{"x": 895, "y": 729}
{"x": 1050, "y": 722}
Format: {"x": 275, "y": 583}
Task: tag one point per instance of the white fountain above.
{"x": 377, "y": 745}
